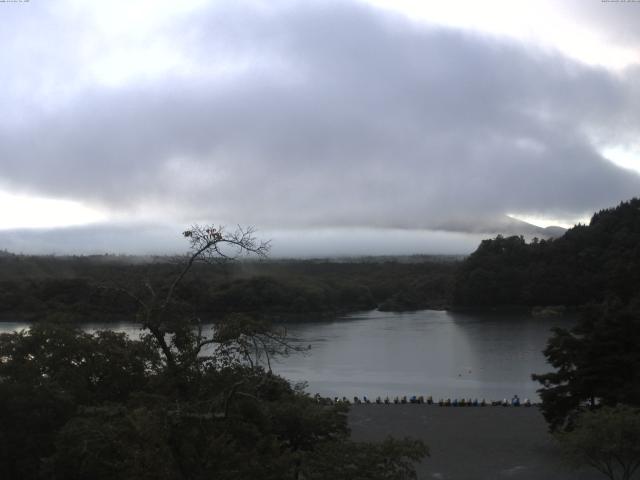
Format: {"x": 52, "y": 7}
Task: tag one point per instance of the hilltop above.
{"x": 586, "y": 264}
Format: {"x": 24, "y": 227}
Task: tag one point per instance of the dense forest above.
{"x": 97, "y": 287}
{"x": 587, "y": 264}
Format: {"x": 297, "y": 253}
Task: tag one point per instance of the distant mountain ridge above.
{"x": 587, "y": 263}
{"x": 554, "y": 231}
{"x": 514, "y": 226}
{"x": 502, "y": 225}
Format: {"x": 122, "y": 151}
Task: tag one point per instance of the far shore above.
{"x": 287, "y": 317}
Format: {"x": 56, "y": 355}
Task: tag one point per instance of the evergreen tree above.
{"x": 597, "y": 363}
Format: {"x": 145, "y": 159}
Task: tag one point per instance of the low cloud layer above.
{"x": 322, "y": 115}
{"x": 306, "y": 243}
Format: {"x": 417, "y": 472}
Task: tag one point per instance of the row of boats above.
{"x": 463, "y": 402}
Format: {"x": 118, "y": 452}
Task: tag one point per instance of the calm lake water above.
{"x": 428, "y": 352}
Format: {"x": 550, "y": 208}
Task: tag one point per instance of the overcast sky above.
{"x": 332, "y": 126}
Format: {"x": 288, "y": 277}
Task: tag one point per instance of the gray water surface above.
{"x": 428, "y": 352}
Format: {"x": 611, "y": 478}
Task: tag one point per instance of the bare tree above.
{"x": 181, "y": 340}
{"x": 243, "y": 339}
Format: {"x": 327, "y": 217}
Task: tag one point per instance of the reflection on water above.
{"x": 429, "y": 352}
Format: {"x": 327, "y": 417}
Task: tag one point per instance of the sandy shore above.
{"x": 471, "y": 443}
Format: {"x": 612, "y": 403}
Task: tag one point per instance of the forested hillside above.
{"x": 586, "y": 264}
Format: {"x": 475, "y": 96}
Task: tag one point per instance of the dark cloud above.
{"x": 335, "y": 114}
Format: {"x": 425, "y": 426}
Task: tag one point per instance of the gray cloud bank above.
{"x": 163, "y": 240}
{"x": 323, "y": 115}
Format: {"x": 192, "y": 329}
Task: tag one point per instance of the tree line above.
{"x": 587, "y": 264}
{"x": 34, "y": 287}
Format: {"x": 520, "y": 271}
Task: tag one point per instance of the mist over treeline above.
{"x": 93, "y": 287}
{"x": 586, "y": 264}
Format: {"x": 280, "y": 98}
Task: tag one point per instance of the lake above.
{"x": 428, "y": 352}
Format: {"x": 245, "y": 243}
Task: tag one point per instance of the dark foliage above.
{"x": 33, "y": 287}
{"x": 597, "y": 363}
{"x": 607, "y": 439}
{"x": 47, "y": 373}
{"x": 75, "y": 405}
{"x": 586, "y": 264}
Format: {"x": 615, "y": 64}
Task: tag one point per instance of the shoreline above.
{"x": 306, "y": 317}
